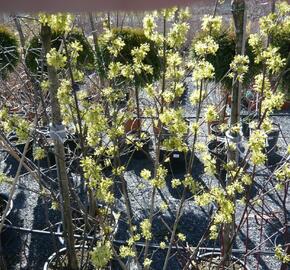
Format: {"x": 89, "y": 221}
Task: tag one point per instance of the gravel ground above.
{"x": 29, "y": 251}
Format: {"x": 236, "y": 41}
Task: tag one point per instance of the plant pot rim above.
{"x": 59, "y": 224}
{"x": 219, "y": 142}
{"x": 13, "y": 138}
{"x": 279, "y": 234}
{"x": 215, "y": 131}
{"x": 218, "y": 253}
{"x": 54, "y": 255}
{"x": 275, "y": 127}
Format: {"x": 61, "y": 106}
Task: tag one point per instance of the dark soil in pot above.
{"x": 245, "y": 121}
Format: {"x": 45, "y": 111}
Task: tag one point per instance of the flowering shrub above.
{"x": 153, "y": 59}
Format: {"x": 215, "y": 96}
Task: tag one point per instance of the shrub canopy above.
{"x": 281, "y": 39}
{"x": 225, "y": 54}
{"x": 132, "y": 37}
{"x": 33, "y": 57}
{"x": 9, "y": 55}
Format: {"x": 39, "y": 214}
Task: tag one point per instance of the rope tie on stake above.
{"x": 57, "y": 132}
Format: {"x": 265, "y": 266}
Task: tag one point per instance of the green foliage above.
{"x": 132, "y": 38}
{"x": 9, "y": 54}
{"x": 281, "y": 39}
{"x": 33, "y": 57}
{"x": 223, "y": 57}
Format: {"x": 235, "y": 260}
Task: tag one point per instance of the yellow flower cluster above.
{"x": 205, "y": 46}
{"x": 101, "y": 254}
{"x": 96, "y": 181}
{"x": 211, "y": 24}
{"x": 257, "y": 143}
{"x": 211, "y": 114}
{"x": 56, "y": 59}
{"x": 126, "y": 251}
{"x": 239, "y": 67}
{"x": 203, "y": 70}
{"x": 60, "y": 22}
{"x": 146, "y": 229}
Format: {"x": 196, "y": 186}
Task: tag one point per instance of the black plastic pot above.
{"x": 272, "y": 139}
{"x": 245, "y": 121}
{"x": 212, "y": 260}
{"x": 246, "y": 129}
{"x": 49, "y": 159}
{"x": 131, "y": 150}
{"x": 44, "y": 141}
{"x": 3, "y": 204}
{"x": 217, "y": 149}
{"x": 177, "y": 160}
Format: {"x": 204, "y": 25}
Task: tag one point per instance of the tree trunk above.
{"x": 60, "y": 154}
{"x": 238, "y": 11}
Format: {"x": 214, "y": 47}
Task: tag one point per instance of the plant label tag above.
{"x": 175, "y": 155}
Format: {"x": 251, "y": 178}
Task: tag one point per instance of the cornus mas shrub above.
{"x": 153, "y": 60}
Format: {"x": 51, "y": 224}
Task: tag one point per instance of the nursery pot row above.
{"x": 44, "y": 138}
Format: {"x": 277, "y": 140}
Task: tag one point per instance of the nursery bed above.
{"x": 29, "y": 251}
